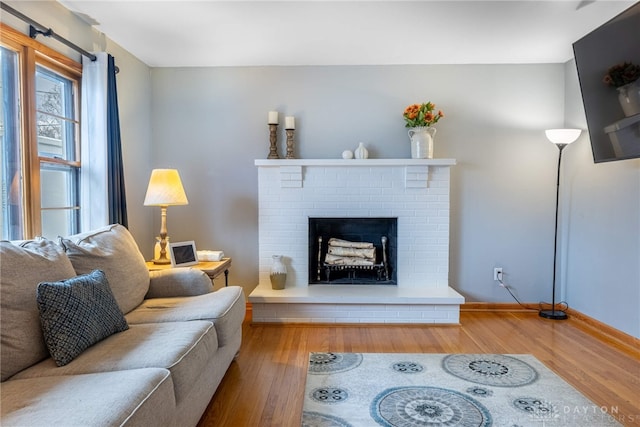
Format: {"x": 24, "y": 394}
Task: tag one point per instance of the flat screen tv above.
{"x": 614, "y": 134}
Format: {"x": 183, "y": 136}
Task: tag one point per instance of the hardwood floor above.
{"x": 264, "y": 386}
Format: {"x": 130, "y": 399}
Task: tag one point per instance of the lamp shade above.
{"x": 562, "y": 136}
{"x": 165, "y": 189}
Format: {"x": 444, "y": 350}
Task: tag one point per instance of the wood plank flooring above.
{"x": 264, "y": 386}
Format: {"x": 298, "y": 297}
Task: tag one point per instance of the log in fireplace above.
{"x": 365, "y": 252}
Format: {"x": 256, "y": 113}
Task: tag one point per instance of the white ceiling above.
{"x": 306, "y": 32}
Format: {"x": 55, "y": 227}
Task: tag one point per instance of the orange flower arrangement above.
{"x": 421, "y": 115}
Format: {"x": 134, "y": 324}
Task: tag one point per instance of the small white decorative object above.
{"x": 361, "y": 152}
{"x": 347, "y": 154}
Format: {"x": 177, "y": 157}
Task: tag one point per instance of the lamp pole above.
{"x": 163, "y": 237}
{"x": 553, "y": 313}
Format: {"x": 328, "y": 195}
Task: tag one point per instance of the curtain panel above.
{"x": 116, "y": 190}
{"x": 101, "y": 180}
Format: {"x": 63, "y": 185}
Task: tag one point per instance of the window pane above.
{"x": 58, "y": 186}
{"x": 59, "y": 199}
{"x": 59, "y": 222}
{"x": 56, "y": 137}
{"x": 56, "y": 116}
{"x": 11, "y": 219}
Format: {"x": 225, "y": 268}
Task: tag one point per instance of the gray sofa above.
{"x": 159, "y": 368}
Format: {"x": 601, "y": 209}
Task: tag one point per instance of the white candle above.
{"x": 289, "y": 122}
{"x": 273, "y": 117}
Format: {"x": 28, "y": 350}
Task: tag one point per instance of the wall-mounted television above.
{"x": 614, "y": 134}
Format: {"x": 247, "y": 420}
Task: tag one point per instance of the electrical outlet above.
{"x": 497, "y": 274}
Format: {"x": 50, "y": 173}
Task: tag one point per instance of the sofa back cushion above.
{"x": 113, "y": 250}
{"x": 23, "y": 265}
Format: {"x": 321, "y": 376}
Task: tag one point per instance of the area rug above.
{"x": 395, "y": 389}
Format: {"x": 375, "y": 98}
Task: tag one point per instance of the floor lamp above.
{"x": 164, "y": 190}
{"x": 562, "y": 138}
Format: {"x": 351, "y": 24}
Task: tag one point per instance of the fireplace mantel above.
{"x": 416, "y": 171}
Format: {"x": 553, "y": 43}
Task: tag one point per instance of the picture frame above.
{"x": 183, "y": 254}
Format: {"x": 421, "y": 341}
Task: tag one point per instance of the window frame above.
{"x": 31, "y": 54}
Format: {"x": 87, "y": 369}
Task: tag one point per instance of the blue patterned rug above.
{"x": 395, "y": 389}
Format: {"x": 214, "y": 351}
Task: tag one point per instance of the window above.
{"x": 56, "y": 125}
{"x": 39, "y": 131}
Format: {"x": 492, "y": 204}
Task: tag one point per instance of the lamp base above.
{"x": 161, "y": 261}
{"x": 553, "y": 314}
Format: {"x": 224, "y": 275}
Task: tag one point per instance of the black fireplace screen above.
{"x": 353, "y": 250}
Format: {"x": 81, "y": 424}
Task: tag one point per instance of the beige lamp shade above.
{"x": 562, "y": 136}
{"x": 165, "y": 189}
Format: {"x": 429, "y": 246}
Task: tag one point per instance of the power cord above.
{"x": 564, "y": 305}
{"x": 502, "y": 284}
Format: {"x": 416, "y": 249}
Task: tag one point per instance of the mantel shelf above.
{"x": 355, "y": 162}
{"x": 416, "y": 171}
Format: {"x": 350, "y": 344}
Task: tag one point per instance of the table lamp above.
{"x": 165, "y": 189}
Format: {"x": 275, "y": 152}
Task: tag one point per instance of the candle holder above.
{"x": 290, "y": 133}
{"x": 273, "y": 140}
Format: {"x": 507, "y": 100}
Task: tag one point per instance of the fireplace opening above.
{"x": 353, "y": 251}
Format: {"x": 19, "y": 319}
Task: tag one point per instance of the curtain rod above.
{"x": 36, "y": 28}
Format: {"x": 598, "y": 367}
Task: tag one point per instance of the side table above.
{"x": 212, "y": 268}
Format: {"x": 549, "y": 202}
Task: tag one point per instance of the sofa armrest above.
{"x": 178, "y": 282}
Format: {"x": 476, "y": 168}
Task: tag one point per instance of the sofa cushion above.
{"x": 184, "y": 348}
{"x": 77, "y": 313}
{"x": 113, "y": 250}
{"x": 137, "y": 397}
{"x": 23, "y": 266}
{"x": 225, "y": 307}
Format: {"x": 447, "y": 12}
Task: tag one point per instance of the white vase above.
{"x": 629, "y": 98}
{"x": 422, "y": 142}
{"x": 278, "y": 273}
{"x": 361, "y": 152}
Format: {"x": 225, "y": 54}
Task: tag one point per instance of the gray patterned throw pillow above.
{"x": 77, "y": 313}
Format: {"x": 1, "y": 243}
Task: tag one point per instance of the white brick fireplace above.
{"x": 415, "y": 191}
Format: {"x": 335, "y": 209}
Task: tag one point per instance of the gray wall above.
{"x": 602, "y": 227}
